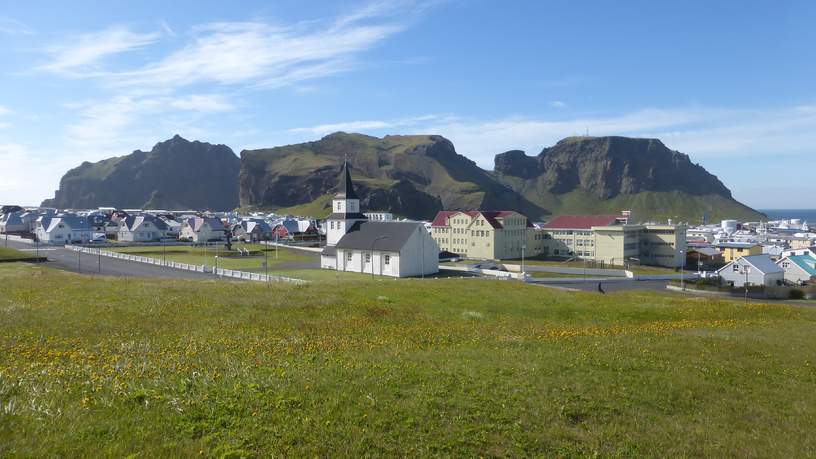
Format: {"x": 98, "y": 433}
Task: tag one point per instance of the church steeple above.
{"x": 345, "y": 208}
{"x": 346, "y": 186}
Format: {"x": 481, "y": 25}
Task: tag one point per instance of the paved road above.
{"x": 614, "y": 286}
{"x": 68, "y": 260}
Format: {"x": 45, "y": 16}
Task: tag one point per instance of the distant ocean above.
{"x": 808, "y": 215}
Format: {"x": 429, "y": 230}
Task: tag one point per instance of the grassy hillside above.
{"x": 415, "y": 176}
{"x": 114, "y": 367}
{"x": 658, "y": 205}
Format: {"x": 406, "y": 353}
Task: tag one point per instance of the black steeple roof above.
{"x": 346, "y": 188}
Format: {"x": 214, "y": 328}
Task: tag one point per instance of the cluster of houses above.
{"x": 51, "y": 226}
{"x": 755, "y": 253}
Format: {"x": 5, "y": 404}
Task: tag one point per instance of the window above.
{"x": 348, "y": 256}
{"x": 368, "y": 258}
{"x": 735, "y": 268}
{"x": 338, "y": 206}
{"x": 331, "y": 225}
{"x": 388, "y": 259}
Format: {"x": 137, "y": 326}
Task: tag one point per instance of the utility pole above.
{"x": 99, "y": 260}
{"x": 682, "y": 268}
{"x": 79, "y": 260}
{"x": 523, "y": 276}
{"x": 746, "y": 270}
{"x": 266, "y": 265}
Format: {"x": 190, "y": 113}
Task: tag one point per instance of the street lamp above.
{"x": 746, "y": 270}
{"x": 523, "y": 276}
{"x": 682, "y": 268}
{"x": 372, "y": 254}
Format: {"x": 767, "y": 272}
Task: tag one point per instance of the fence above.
{"x": 187, "y": 267}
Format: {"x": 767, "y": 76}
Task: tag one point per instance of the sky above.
{"x": 730, "y": 83}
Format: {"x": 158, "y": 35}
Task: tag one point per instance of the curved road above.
{"x": 68, "y": 260}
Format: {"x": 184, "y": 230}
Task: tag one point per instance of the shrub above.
{"x": 796, "y": 294}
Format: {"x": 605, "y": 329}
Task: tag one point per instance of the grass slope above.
{"x": 654, "y": 205}
{"x": 227, "y": 260}
{"x": 7, "y": 254}
{"x": 116, "y": 367}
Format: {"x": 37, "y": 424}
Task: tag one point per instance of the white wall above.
{"x": 420, "y": 255}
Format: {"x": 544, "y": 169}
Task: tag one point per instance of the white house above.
{"x": 252, "y": 230}
{"x": 810, "y": 251}
{"x": 799, "y": 269}
{"x": 355, "y": 244}
{"x": 203, "y": 229}
{"x": 12, "y": 223}
{"x": 142, "y": 228}
{"x": 753, "y": 269}
{"x": 63, "y": 229}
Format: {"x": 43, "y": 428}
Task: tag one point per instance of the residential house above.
{"x": 63, "y": 229}
{"x": 203, "y": 229}
{"x": 753, "y": 270}
{"x": 142, "y": 228}
{"x": 12, "y": 222}
{"x": 733, "y": 250}
{"x": 396, "y": 249}
{"x": 291, "y": 228}
{"x": 799, "y": 269}
{"x": 703, "y": 257}
{"x": 252, "y": 230}
{"x": 811, "y": 251}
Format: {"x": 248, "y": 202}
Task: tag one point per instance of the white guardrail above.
{"x": 245, "y": 275}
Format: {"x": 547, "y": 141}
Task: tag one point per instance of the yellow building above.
{"x": 611, "y": 240}
{"x": 733, "y": 250}
{"x": 486, "y": 235}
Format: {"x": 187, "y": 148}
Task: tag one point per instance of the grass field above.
{"x": 228, "y": 260}
{"x": 11, "y": 254}
{"x": 144, "y": 368}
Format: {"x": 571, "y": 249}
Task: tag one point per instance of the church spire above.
{"x": 346, "y": 187}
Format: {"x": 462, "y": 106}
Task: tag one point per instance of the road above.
{"x": 614, "y": 286}
{"x": 68, "y": 260}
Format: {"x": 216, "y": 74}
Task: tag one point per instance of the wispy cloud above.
{"x": 209, "y": 103}
{"x": 368, "y": 125}
{"x": 4, "y": 110}
{"x": 12, "y": 27}
{"x": 82, "y": 56}
{"x": 557, "y": 104}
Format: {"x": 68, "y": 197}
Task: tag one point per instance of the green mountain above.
{"x": 411, "y": 176}
{"x": 609, "y": 174}
{"x": 175, "y": 175}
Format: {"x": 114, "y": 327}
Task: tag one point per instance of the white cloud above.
{"x": 369, "y": 125}
{"x": 260, "y": 53}
{"x": 12, "y": 27}
{"x": 203, "y": 103}
{"x": 4, "y": 111}
{"x": 81, "y": 57}
{"x": 557, "y": 104}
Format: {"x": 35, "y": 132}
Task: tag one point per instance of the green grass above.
{"x": 466, "y": 368}
{"x": 227, "y": 260}
{"x": 11, "y": 254}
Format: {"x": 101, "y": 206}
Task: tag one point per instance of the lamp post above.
{"x": 746, "y": 270}
{"x": 523, "y": 276}
{"x": 682, "y": 268}
{"x": 372, "y": 254}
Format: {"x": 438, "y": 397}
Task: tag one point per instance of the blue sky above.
{"x": 729, "y": 83}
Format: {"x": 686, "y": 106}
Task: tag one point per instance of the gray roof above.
{"x": 393, "y": 235}
{"x": 763, "y": 263}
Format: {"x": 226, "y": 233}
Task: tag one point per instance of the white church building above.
{"x": 356, "y": 244}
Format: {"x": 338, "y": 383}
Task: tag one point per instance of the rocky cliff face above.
{"x": 610, "y": 166}
{"x": 595, "y": 172}
{"x": 412, "y": 176}
{"x": 175, "y": 174}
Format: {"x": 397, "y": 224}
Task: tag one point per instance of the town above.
{"x": 764, "y": 259}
